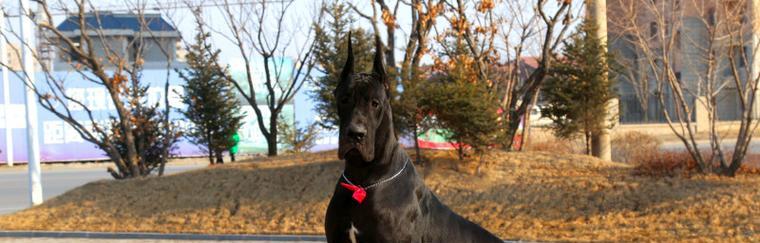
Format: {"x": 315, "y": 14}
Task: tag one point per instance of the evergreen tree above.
{"x": 211, "y": 103}
{"x": 330, "y": 52}
{"x": 461, "y": 106}
{"x": 579, "y": 87}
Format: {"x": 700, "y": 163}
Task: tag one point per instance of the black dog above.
{"x": 380, "y": 197}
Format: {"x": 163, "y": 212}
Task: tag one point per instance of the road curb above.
{"x": 156, "y": 236}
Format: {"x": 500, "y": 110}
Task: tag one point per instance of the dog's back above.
{"x": 447, "y": 226}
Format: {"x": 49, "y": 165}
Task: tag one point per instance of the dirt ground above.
{"x": 527, "y": 196}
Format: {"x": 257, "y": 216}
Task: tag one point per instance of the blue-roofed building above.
{"x": 122, "y": 35}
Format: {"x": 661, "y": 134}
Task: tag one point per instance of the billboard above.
{"x": 60, "y": 142}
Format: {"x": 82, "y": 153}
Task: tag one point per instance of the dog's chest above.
{"x": 383, "y": 225}
{"x": 353, "y": 233}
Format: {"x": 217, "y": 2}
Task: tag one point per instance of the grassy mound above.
{"x": 530, "y": 196}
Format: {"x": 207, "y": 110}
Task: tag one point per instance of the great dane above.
{"x": 380, "y": 197}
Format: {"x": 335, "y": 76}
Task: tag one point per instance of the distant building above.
{"x": 689, "y": 60}
{"x": 13, "y": 55}
{"x": 122, "y": 35}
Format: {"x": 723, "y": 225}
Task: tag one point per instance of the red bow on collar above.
{"x": 359, "y": 192}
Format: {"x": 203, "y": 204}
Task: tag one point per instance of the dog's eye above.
{"x": 375, "y": 103}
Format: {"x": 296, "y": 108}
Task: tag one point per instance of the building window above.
{"x": 68, "y": 54}
{"x": 748, "y": 51}
{"x": 678, "y": 39}
{"x": 711, "y": 16}
{"x": 739, "y": 56}
{"x": 652, "y": 29}
{"x": 136, "y": 49}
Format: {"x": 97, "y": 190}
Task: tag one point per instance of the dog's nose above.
{"x": 356, "y": 132}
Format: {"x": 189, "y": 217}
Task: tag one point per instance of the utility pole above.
{"x": 6, "y": 92}
{"x": 600, "y": 143}
{"x": 32, "y": 135}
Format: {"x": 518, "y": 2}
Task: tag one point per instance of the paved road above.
{"x": 56, "y": 179}
{"x": 728, "y": 144}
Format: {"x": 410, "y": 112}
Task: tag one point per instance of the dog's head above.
{"x": 363, "y": 109}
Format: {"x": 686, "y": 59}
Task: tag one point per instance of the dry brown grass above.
{"x": 530, "y": 196}
{"x": 555, "y": 145}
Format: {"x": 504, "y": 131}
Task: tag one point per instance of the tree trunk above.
{"x": 272, "y": 138}
{"x": 480, "y": 163}
{"x": 126, "y": 127}
{"x": 460, "y": 151}
{"x": 417, "y": 143}
{"x": 735, "y": 165}
{"x": 167, "y": 127}
{"x": 210, "y": 147}
{"x": 219, "y": 157}
{"x": 588, "y": 137}
{"x": 526, "y": 123}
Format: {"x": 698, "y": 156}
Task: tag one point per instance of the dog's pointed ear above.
{"x": 348, "y": 68}
{"x": 378, "y": 67}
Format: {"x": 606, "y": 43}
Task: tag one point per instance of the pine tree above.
{"x": 579, "y": 87}
{"x": 461, "y": 106}
{"x": 330, "y": 52}
{"x": 211, "y": 103}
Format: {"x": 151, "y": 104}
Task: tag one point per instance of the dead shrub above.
{"x": 634, "y": 146}
{"x": 750, "y": 164}
{"x": 665, "y": 164}
{"x": 749, "y": 170}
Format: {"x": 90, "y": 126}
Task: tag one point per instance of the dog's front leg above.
{"x": 337, "y": 222}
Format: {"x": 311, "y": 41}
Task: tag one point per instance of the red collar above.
{"x": 361, "y": 192}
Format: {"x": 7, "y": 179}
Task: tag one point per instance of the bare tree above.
{"x": 476, "y": 25}
{"x": 698, "y": 54}
{"x": 518, "y": 30}
{"x": 261, "y": 30}
{"x": 91, "y": 55}
{"x": 520, "y": 95}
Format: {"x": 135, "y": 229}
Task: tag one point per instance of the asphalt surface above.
{"x": 727, "y": 144}
{"x": 56, "y": 179}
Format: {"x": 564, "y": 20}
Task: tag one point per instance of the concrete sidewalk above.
{"x": 85, "y": 240}
{"x": 54, "y": 236}
{"x": 92, "y": 237}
